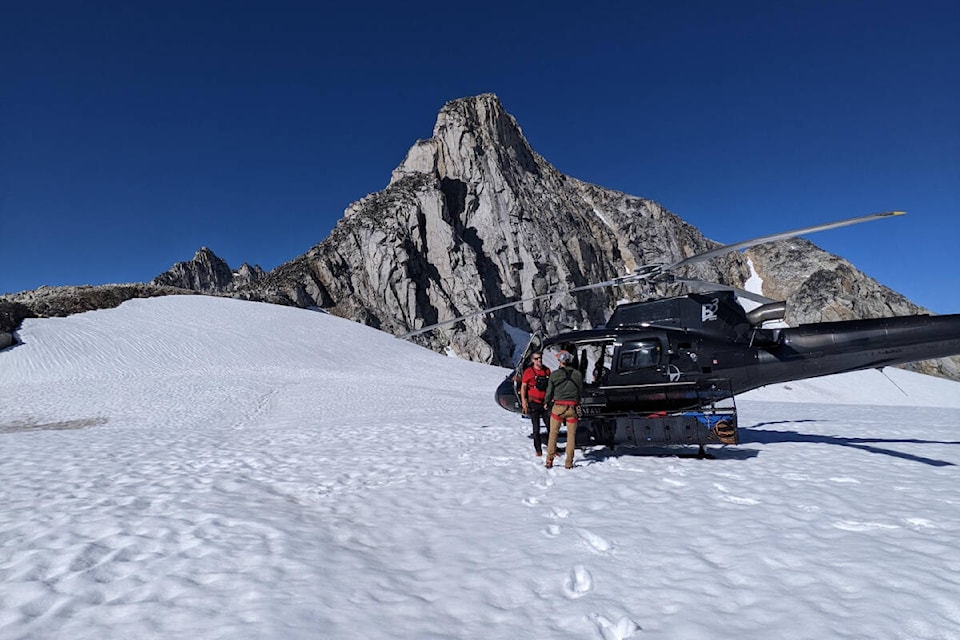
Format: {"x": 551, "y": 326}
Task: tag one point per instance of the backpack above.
{"x": 540, "y": 382}
{"x": 568, "y": 373}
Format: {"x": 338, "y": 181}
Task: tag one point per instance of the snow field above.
{"x": 212, "y": 468}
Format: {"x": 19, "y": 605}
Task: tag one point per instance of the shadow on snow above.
{"x": 770, "y": 436}
{"x": 756, "y": 435}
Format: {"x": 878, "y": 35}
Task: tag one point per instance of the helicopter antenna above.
{"x": 654, "y": 272}
{"x": 884, "y": 373}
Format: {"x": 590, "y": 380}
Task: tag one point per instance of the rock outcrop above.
{"x": 208, "y": 273}
{"x": 59, "y": 302}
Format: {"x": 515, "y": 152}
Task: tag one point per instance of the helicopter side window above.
{"x": 639, "y": 355}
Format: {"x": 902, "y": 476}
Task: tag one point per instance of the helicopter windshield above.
{"x": 639, "y": 354}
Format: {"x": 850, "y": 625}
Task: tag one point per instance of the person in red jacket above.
{"x": 533, "y": 388}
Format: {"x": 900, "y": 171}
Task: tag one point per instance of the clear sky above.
{"x": 131, "y": 134}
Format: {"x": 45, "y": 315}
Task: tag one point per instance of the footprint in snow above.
{"x": 578, "y": 582}
{"x": 854, "y": 525}
{"x": 544, "y": 483}
{"x": 620, "y": 630}
{"x": 560, "y": 512}
{"x": 552, "y": 531}
{"x": 727, "y": 474}
{"x": 597, "y": 543}
{"x": 725, "y": 495}
{"x": 531, "y": 501}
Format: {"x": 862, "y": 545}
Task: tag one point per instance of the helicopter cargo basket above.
{"x": 713, "y": 422}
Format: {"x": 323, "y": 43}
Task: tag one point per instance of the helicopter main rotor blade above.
{"x": 719, "y": 251}
{"x": 606, "y": 283}
{"x": 653, "y": 271}
{"x": 714, "y": 286}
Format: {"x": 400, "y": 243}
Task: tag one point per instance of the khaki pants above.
{"x": 562, "y": 414}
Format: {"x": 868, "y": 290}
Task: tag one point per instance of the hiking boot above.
{"x": 539, "y": 454}
{"x": 549, "y": 464}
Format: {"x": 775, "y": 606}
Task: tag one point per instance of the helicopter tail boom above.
{"x": 838, "y": 347}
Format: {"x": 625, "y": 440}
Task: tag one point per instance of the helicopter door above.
{"x": 534, "y": 345}
{"x": 508, "y": 393}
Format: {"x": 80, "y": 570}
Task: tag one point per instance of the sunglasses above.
{"x": 536, "y": 358}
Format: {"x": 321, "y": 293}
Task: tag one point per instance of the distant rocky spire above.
{"x": 473, "y": 138}
{"x": 207, "y": 273}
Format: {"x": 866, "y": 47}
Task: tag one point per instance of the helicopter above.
{"x": 667, "y": 371}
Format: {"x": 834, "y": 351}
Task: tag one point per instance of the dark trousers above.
{"x": 537, "y": 414}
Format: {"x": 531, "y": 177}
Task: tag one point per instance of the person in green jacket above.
{"x": 564, "y": 389}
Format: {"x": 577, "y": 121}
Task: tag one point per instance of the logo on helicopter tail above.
{"x": 708, "y": 312}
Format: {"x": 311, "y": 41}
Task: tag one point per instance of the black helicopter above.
{"x": 666, "y": 371}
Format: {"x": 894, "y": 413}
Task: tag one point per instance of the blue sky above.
{"x": 131, "y": 134}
